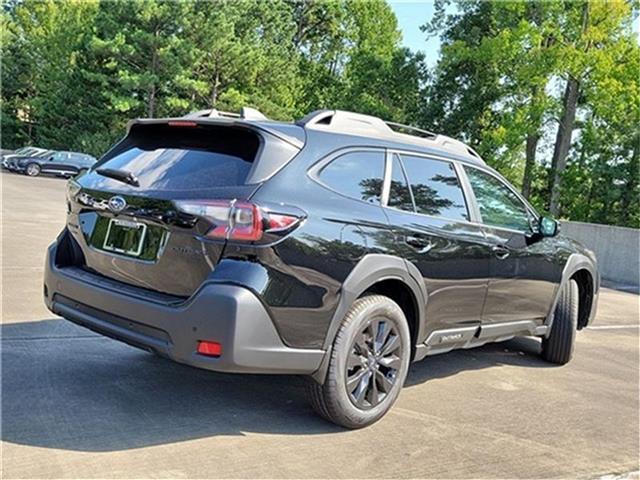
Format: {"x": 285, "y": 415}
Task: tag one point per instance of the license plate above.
{"x": 125, "y": 237}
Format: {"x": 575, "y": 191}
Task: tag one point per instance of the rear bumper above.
{"x": 228, "y": 314}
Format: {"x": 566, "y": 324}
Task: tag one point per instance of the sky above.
{"x": 411, "y": 15}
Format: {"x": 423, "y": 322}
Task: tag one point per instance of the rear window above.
{"x": 163, "y": 157}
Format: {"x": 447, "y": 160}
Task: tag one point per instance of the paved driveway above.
{"x": 75, "y": 404}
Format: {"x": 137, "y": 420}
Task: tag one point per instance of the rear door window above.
{"x": 163, "y": 157}
{"x": 356, "y": 174}
{"x": 436, "y": 188}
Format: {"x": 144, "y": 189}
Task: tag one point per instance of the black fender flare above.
{"x": 371, "y": 269}
{"x": 575, "y": 262}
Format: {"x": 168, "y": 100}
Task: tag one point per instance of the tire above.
{"x": 32, "y": 170}
{"x": 364, "y": 401}
{"x": 558, "y": 346}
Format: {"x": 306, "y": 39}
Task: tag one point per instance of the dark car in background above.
{"x": 66, "y": 164}
{"x": 337, "y": 247}
{"x": 8, "y": 156}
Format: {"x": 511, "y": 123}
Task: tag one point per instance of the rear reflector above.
{"x": 210, "y": 349}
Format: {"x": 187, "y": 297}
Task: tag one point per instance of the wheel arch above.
{"x": 378, "y": 273}
{"x": 583, "y": 270}
{"x": 586, "y": 295}
{"x": 400, "y": 293}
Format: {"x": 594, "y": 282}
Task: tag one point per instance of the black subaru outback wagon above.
{"x": 340, "y": 247}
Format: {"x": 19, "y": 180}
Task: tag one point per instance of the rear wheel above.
{"x": 368, "y": 365}
{"x": 558, "y": 346}
{"x": 33, "y": 170}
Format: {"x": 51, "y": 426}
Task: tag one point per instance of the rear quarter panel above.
{"x": 301, "y": 276}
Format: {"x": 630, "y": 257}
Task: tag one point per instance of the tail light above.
{"x": 238, "y": 221}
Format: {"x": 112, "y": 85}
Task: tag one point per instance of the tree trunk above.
{"x": 563, "y": 143}
{"x": 629, "y": 194}
{"x": 152, "y": 101}
{"x": 152, "y": 89}
{"x": 300, "y": 27}
{"x": 530, "y": 161}
{"x": 216, "y": 85}
{"x": 565, "y": 131}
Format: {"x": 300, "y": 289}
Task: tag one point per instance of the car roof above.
{"x": 349, "y": 128}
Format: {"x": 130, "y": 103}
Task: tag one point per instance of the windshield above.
{"x": 25, "y": 150}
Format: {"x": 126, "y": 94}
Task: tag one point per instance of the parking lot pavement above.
{"x": 77, "y": 405}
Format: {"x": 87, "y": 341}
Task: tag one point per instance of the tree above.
{"x": 547, "y": 92}
{"x": 498, "y": 84}
{"x": 40, "y": 54}
{"x": 464, "y": 86}
{"x": 137, "y": 49}
{"x": 589, "y": 31}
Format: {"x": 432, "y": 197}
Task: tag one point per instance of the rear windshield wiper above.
{"x": 121, "y": 175}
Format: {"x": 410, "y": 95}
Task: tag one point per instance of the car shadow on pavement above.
{"x": 65, "y": 387}
{"x": 520, "y": 351}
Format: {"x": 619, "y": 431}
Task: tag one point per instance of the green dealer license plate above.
{"x": 125, "y": 236}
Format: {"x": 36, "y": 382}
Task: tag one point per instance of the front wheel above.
{"x": 33, "y": 170}
{"x": 558, "y": 346}
{"x": 368, "y": 365}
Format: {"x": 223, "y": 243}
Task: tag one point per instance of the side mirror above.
{"x": 548, "y": 227}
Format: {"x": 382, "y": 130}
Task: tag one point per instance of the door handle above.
{"x": 420, "y": 243}
{"x": 500, "y": 251}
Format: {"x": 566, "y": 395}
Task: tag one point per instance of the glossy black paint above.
{"x": 472, "y": 273}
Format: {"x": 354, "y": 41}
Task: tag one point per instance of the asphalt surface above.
{"x": 76, "y": 405}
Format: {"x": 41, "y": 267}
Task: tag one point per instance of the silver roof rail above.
{"x": 246, "y": 113}
{"x": 358, "y": 124}
{"x": 345, "y": 121}
{"x": 399, "y": 127}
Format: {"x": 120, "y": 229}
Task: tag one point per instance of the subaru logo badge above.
{"x": 117, "y": 204}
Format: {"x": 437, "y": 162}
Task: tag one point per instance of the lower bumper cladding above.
{"x": 221, "y": 327}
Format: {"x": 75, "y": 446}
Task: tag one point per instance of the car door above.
{"x": 427, "y": 209}
{"x": 68, "y": 164}
{"x": 58, "y": 162}
{"x": 523, "y": 270}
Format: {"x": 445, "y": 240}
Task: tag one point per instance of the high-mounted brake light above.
{"x": 238, "y": 221}
{"x": 182, "y": 123}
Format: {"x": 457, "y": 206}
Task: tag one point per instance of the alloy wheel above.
{"x": 372, "y": 366}
{"x": 33, "y": 170}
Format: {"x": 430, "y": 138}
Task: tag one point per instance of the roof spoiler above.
{"x": 246, "y": 113}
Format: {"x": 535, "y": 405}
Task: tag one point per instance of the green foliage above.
{"x": 500, "y": 84}
{"x": 74, "y": 72}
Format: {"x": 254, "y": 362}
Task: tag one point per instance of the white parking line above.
{"x": 613, "y": 327}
